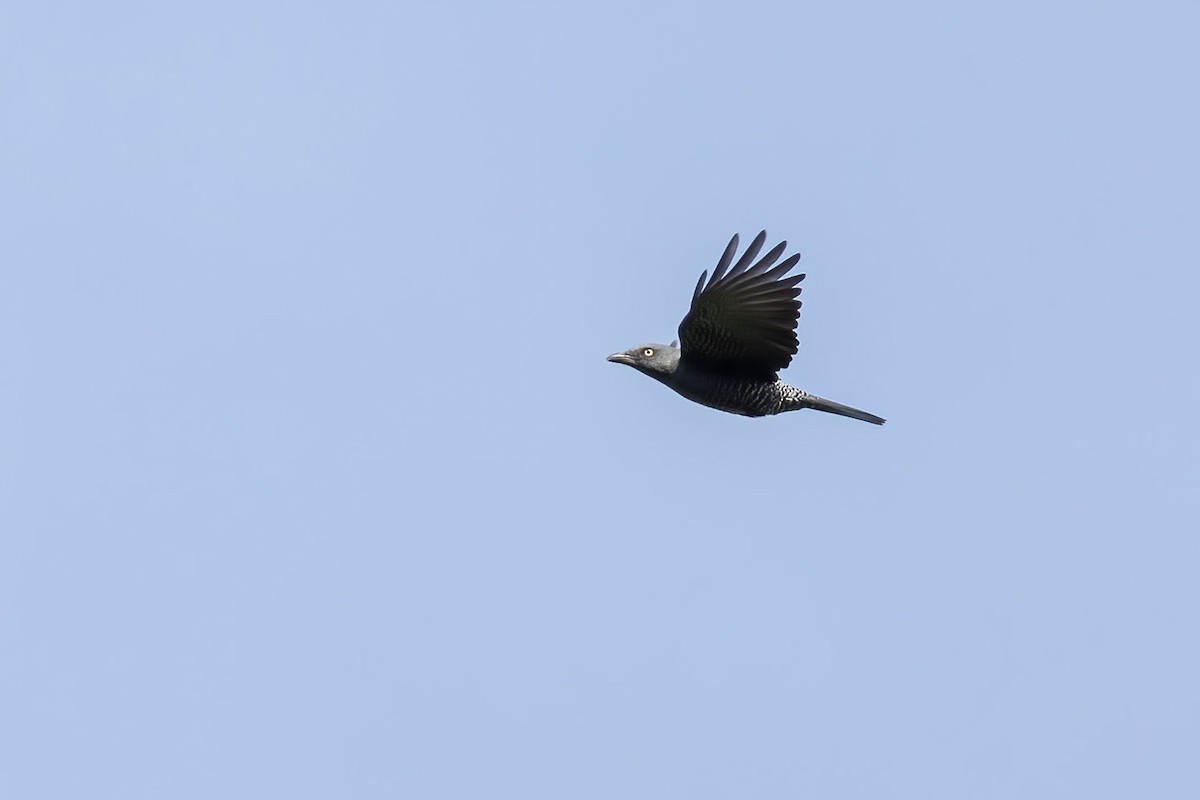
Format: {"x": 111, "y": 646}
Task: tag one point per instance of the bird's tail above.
{"x": 821, "y": 404}
{"x": 797, "y": 398}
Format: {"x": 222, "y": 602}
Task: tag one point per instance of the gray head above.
{"x": 656, "y": 360}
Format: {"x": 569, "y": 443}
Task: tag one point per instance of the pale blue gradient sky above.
{"x": 314, "y": 481}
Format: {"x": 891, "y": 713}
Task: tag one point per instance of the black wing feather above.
{"x": 744, "y": 322}
{"x": 722, "y": 265}
{"x": 749, "y": 255}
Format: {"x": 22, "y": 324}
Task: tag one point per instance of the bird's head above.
{"x": 656, "y": 360}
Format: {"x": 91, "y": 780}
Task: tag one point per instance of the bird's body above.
{"x": 750, "y": 397}
{"x": 739, "y": 332}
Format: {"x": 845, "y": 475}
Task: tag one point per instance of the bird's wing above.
{"x": 744, "y": 321}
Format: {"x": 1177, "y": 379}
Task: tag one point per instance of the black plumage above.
{"x": 737, "y": 335}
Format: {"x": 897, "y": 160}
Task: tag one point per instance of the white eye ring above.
{"x": 648, "y": 352}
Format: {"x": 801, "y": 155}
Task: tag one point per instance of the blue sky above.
{"x": 314, "y": 481}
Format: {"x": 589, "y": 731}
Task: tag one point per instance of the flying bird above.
{"x": 738, "y": 334}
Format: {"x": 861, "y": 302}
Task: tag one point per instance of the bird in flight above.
{"x": 738, "y": 334}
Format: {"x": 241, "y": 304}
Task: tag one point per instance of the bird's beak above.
{"x": 621, "y": 358}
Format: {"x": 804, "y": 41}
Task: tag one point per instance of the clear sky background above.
{"x": 314, "y": 481}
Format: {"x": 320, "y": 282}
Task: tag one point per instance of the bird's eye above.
{"x": 648, "y": 352}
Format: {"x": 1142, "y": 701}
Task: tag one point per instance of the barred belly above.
{"x": 751, "y": 398}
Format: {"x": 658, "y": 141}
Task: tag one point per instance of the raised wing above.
{"x": 744, "y": 322}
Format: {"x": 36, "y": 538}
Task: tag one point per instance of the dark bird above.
{"x": 738, "y": 334}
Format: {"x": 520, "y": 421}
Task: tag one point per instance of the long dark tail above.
{"x": 797, "y": 398}
{"x": 821, "y": 404}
